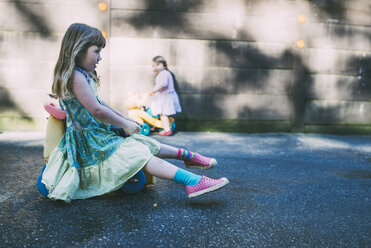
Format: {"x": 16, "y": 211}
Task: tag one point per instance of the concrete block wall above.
{"x": 223, "y": 71}
{"x": 240, "y": 65}
{"x": 337, "y": 65}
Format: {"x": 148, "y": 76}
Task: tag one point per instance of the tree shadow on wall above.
{"x": 173, "y": 20}
{"x": 8, "y": 106}
{"x": 336, "y": 116}
{"x": 34, "y": 20}
{"x": 334, "y": 9}
{"x": 362, "y": 87}
{"x": 295, "y": 89}
{"x": 335, "y": 12}
{"x": 251, "y": 67}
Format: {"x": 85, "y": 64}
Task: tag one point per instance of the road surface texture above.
{"x": 285, "y": 190}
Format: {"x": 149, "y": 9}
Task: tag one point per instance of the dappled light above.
{"x": 324, "y": 143}
{"x": 24, "y": 139}
{"x": 304, "y": 62}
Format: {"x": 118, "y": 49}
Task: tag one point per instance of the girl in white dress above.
{"x": 165, "y": 100}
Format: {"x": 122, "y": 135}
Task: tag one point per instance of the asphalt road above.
{"x": 286, "y": 190}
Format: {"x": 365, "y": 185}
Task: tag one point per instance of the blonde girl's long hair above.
{"x": 76, "y": 41}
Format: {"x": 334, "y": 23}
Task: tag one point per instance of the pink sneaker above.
{"x": 206, "y": 185}
{"x": 164, "y": 133}
{"x": 200, "y": 162}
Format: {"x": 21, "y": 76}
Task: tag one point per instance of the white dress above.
{"x": 166, "y": 101}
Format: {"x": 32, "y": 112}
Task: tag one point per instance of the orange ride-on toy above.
{"x": 143, "y": 115}
{"x": 54, "y": 132}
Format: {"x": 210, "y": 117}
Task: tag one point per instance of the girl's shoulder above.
{"x": 80, "y": 74}
{"x": 79, "y": 71}
{"x": 164, "y": 74}
{"x": 81, "y": 77}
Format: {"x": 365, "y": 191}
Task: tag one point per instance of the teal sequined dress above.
{"x": 91, "y": 159}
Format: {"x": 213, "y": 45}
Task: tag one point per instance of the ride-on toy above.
{"x": 143, "y": 115}
{"x": 54, "y": 132}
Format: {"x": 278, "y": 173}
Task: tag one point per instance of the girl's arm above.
{"x": 158, "y": 87}
{"x": 161, "y": 83}
{"x": 83, "y": 93}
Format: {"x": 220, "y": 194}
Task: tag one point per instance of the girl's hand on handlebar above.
{"x": 132, "y": 127}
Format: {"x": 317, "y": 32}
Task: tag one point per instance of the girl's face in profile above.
{"x": 157, "y": 67}
{"x": 90, "y": 59}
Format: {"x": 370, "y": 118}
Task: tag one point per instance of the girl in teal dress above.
{"x": 92, "y": 160}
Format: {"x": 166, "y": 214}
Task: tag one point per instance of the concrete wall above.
{"x": 240, "y": 65}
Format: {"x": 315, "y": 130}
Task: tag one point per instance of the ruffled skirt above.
{"x": 165, "y": 104}
{"x": 66, "y": 182}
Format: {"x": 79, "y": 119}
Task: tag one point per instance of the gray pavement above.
{"x": 286, "y": 190}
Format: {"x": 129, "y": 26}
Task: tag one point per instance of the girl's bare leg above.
{"x": 167, "y": 151}
{"x": 160, "y": 168}
{"x": 165, "y": 122}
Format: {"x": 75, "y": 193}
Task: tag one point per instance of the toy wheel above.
{"x": 40, "y": 186}
{"x": 173, "y": 126}
{"x": 146, "y": 129}
{"x": 134, "y": 184}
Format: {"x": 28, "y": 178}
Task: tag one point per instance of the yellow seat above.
{"x": 54, "y": 132}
